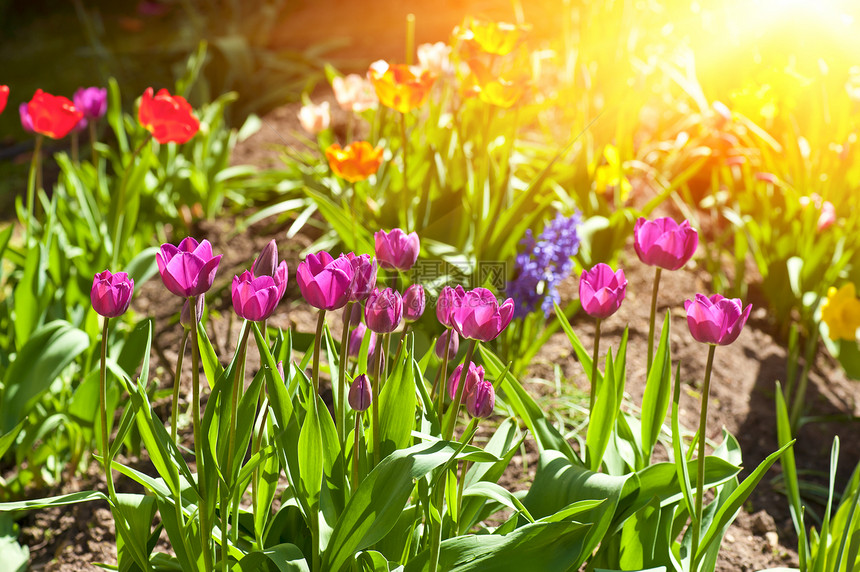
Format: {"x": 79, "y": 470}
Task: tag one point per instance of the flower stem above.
{"x": 93, "y": 140}
{"x": 458, "y": 398}
{"x": 174, "y": 417}
{"x": 355, "y": 451}
{"x": 377, "y": 374}
{"x": 468, "y": 435}
{"x": 594, "y": 371}
{"x": 700, "y": 479}
{"x": 317, "y": 345}
{"x": 203, "y": 507}
{"x": 33, "y": 184}
{"x": 341, "y": 386}
{"x": 105, "y": 449}
{"x": 442, "y": 382}
{"x": 653, "y": 317}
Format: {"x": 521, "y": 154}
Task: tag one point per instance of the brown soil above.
{"x": 73, "y": 538}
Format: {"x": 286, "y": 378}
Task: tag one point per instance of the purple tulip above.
{"x": 453, "y": 345}
{"x": 664, "y": 243}
{"x": 188, "y": 269}
{"x": 481, "y": 400}
{"x": 360, "y": 394}
{"x": 716, "y": 320}
{"x": 601, "y": 291}
{"x": 255, "y": 298}
{"x": 185, "y": 315}
{"x": 92, "y": 101}
{"x": 473, "y": 376}
{"x": 449, "y": 298}
{"x": 396, "y": 250}
{"x": 325, "y": 282}
{"x": 413, "y": 302}
{"x": 356, "y": 336}
{"x": 365, "y": 270}
{"x": 480, "y": 317}
{"x": 267, "y": 265}
{"x": 383, "y": 310}
{"x": 111, "y": 293}
{"x": 26, "y": 121}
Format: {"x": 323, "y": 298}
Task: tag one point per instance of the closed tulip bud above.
{"x": 716, "y": 320}
{"x": 449, "y": 299}
{"x": 188, "y": 269}
{"x": 480, "y": 316}
{"x": 383, "y": 310}
{"x": 92, "y": 101}
{"x": 396, "y": 250}
{"x": 360, "y": 394}
{"x": 481, "y": 400}
{"x": 356, "y": 337}
{"x": 601, "y": 291}
{"x": 185, "y": 315}
{"x": 267, "y": 262}
{"x": 450, "y": 340}
{"x": 413, "y": 302}
{"x": 355, "y": 315}
{"x": 111, "y": 293}
{"x": 26, "y": 122}
{"x": 254, "y": 298}
{"x": 664, "y": 243}
{"x": 473, "y": 376}
{"x": 365, "y": 270}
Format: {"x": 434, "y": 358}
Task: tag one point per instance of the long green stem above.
{"x": 458, "y": 398}
{"x": 341, "y": 386}
{"x": 317, "y": 346}
{"x": 377, "y": 374}
{"x": 174, "y": 417}
{"x": 105, "y": 449}
{"x": 653, "y": 317}
{"x": 700, "y": 479}
{"x": 443, "y": 381}
{"x": 355, "y": 451}
{"x": 203, "y": 505}
{"x": 468, "y": 435}
{"x": 118, "y": 217}
{"x": 594, "y": 371}
{"x": 436, "y": 541}
{"x": 33, "y": 183}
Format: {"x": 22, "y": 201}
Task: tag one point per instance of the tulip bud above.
{"x": 473, "y": 376}
{"x": 185, "y": 315}
{"x": 664, "y": 243}
{"x": 365, "y": 270}
{"x": 480, "y": 316}
{"x": 26, "y": 121}
{"x": 481, "y": 400}
{"x": 413, "y": 302}
{"x": 357, "y": 336}
{"x": 449, "y": 339}
{"x": 601, "y": 291}
{"x": 359, "y": 393}
{"x": 449, "y": 298}
{"x": 716, "y": 320}
{"x": 92, "y": 101}
{"x": 396, "y": 249}
{"x": 266, "y": 264}
{"x": 383, "y": 310}
{"x": 111, "y": 293}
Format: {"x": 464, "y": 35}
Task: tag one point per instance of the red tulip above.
{"x": 169, "y": 118}
{"x": 4, "y": 97}
{"x": 53, "y": 115}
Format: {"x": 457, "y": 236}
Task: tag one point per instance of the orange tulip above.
{"x": 53, "y": 115}
{"x": 497, "y": 90}
{"x": 400, "y": 87}
{"x": 497, "y": 38}
{"x": 169, "y": 118}
{"x": 356, "y": 162}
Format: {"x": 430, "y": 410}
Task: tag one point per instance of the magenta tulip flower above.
{"x": 449, "y": 298}
{"x": 473, "y": 376}
{"x": 601, "y": 291}
{"x": 111, "y": 293}
{"x": 357, "y": 336}
{"x": 480, "y": 317}
{"x": 26, "y": 120}
{"x": 481, "y": 400}
{"x": 396, "y": 250}
{"x": 188, "y": 269}
{"x": 360, "y": 394}
{"x": 664, "y": 243}
{"x": 365, "y": 270}
{"x": 255, "y": 298}
{"x": 325, "y": 282}
{"x": 450, "y": 340}
{"x": 383, "y": 310}
{"x": 716, "y": 320}
{"x": 413, "y": 302}
{"x": 92, "y": 101}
